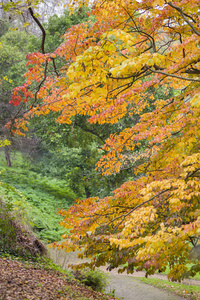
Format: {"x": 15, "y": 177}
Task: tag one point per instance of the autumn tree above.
{"x": 12, "y": 64}
{"x": 110, "y": 69}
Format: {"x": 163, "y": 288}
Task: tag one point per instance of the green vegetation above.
{"x": 13, "y": 52}
{"x": 16, "y": 235}
{"x": 96, "y": 279}
{"x": 35, "y": 197}
{"x": 7, "y": 231}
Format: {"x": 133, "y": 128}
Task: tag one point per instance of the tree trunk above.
{"x": 87, "y": 192}
{"x": 7, "y": 155}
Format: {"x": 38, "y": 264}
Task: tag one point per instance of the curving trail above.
{"x": 130, "y": 288}
{"x": 125, "y": 287}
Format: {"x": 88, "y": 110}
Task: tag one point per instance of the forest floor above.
{"x": 26, "y": 281}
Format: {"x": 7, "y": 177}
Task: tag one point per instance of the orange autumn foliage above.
{"x": 110, "y": 69}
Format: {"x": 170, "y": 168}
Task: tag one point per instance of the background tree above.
{"x": 13, "y": 52}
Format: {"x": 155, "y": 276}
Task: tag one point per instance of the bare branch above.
{"x": 54, "y": 66}
{"x": 41, "y": 27}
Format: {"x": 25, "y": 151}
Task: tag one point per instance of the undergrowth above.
{"x": 96, "y": 279}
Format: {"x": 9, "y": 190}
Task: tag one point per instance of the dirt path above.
{"x": 126, "y": 287}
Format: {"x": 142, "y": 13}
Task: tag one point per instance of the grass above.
{"x": 183, "y": 290}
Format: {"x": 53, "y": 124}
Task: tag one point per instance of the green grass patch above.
{"x": 183, "y": 290}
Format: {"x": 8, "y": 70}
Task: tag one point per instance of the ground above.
{"x": 30, "y": 282}
{"x": 27, "y": 281}
{"x": 130, "y": 287}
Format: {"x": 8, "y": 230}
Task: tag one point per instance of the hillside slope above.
{"x": 19, "y": 281}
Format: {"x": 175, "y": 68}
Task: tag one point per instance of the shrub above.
{"x": 96, "y": 279}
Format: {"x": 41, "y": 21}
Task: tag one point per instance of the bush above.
{"x": 96, "y": 279}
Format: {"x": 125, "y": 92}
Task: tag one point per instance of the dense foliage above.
{"x": 109, "y": 71}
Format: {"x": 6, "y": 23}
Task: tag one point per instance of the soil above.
{"x": 126, "y": 287}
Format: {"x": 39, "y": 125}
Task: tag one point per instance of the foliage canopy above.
{"x": 109, "y": 70}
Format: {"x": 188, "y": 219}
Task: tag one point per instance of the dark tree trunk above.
{"x": 87, "y": 192}
{"x": 7, "y": 155}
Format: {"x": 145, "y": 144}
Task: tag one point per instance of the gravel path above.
{"x": 125, "y": 287}
{"x": 129, "y": 288}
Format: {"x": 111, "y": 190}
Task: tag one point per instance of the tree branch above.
{"x": 133, "y": 209}
{"x": 88, "y": 130}
{"x": 41, "y": 27}
{"x": 184, "y": 16}
{"x": 173, "y": 75}
{"x": 107, "y": 40}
